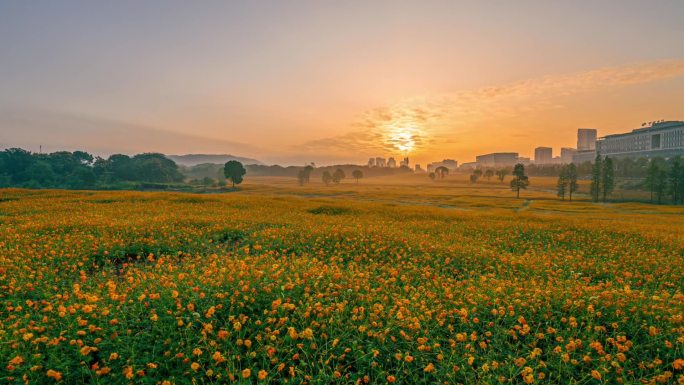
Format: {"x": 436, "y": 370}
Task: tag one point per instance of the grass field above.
{"x": 405, "y": 281}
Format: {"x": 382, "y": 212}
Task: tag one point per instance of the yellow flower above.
{"x": 246, "y": 373}
{"x": 429, "y": 368}
{"x": 596, "y": 374}
{"x": 195, "y": 366}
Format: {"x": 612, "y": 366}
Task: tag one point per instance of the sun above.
{"x": 403, "y": 139}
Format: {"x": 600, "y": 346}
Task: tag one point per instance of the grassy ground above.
{"x": 391, "y": 280}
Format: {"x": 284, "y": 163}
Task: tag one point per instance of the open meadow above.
{"x": 386, "y": 281}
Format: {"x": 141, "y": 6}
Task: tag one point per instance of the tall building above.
{"x": 497, "y": 159}
{"x": 371, "y": 162}
{"x": 391, "y": 163}
{"x": 404, "y": 162}
{"x": 379, "y": 162}
{"x": 586, "y": 145}
{"x": 543, "y": 155}
{"x": 567, "y": 154}
{"x": 664, "y": 139}
{"x": 586, "y": 139}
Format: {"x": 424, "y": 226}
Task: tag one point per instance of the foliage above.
{"x": 357, "y": 174}
{"x": 520, "y": 180}
{"x": 80, "y": 170}
{"x": 326, "y": 177}
{"x": 501, "y": 174}
{"x": 234, "y": 171}
{"x": 338, "y": 175}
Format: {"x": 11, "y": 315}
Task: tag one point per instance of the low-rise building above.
{"x": 497, "y": 159}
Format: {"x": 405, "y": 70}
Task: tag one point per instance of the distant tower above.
{"x": 543, "y": 155}
{"x": 391, "y": 163}
{"x": 371, "y": 162}
{"x": 586, "y": 139}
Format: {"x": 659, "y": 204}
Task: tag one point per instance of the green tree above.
{"x": 489, "y": 173}
{"x": 357, "y": 174}
{"x": 596, "y": 171}
{"x": 327, "y": 177}
{"x": 562, "y": 184}
{"x": 651, "y": 177}
{"x": 234, "y": 171}
{"x": 501, "y": 174}
{"x": 308, "y": 169}
{"x": 301, "y": 177}
{"x": 338, "y": 175}
{"x": 155, "y": 168}
{"x": 571, "y": 176}
{"x": 607, "y": 178}
{"x": 520, "y": 180}
{"x": 41, "y": 173}
{"x": 660, "y": 184}
{"x": 478, "y": 173}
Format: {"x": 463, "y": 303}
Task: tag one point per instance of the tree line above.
{"x": 81, "y": 170}
{"x": 662, "y": 178}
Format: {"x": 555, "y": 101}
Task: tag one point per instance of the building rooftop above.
{"x": 652, "y": 128}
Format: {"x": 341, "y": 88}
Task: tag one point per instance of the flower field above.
{"x": 305, "y": 287}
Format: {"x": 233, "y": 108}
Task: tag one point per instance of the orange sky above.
{"x": 329, "y": 83}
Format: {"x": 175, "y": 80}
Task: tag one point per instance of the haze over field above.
{"x": 293, "y": 82}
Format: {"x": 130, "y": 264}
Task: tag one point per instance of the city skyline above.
{"x": 334, "y": 83}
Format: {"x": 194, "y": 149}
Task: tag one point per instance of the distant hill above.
{"x": 190, "y": 160}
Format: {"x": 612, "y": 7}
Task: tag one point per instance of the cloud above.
{"x": 436, "y": 118}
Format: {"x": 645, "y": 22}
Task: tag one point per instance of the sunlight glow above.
{"x": 404, "y": 138}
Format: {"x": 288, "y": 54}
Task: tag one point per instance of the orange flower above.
{"x": 429, "y": 368}
{"x": 262, "y": 374}
{"x": 391, "y": 379}
{"x": 55, "y": 375}
{"x": 596, "y": 374}
{"x": 195, "y": 366}
{"x": 246, "y": 373}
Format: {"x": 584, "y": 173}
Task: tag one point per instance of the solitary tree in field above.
{"x": 327, "y": 178}
{"x": 501, "y": 174}
{"x": 489, "y": 173}
{"x": 607, "y": 178}
{"x": 520, "y": 180}
{"x": 571, "y": 175}
{"x": 357, "y": 174}
{"x": 562, "y": 185}
{"x": 441, "y": 171}
{"x": 234, "y": 171}
{"x": 338, "y": 175}
{"x": 301, "y": 177}
{"x": 596, "y": 169}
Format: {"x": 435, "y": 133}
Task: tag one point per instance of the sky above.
{"x": 291, "y": 82}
